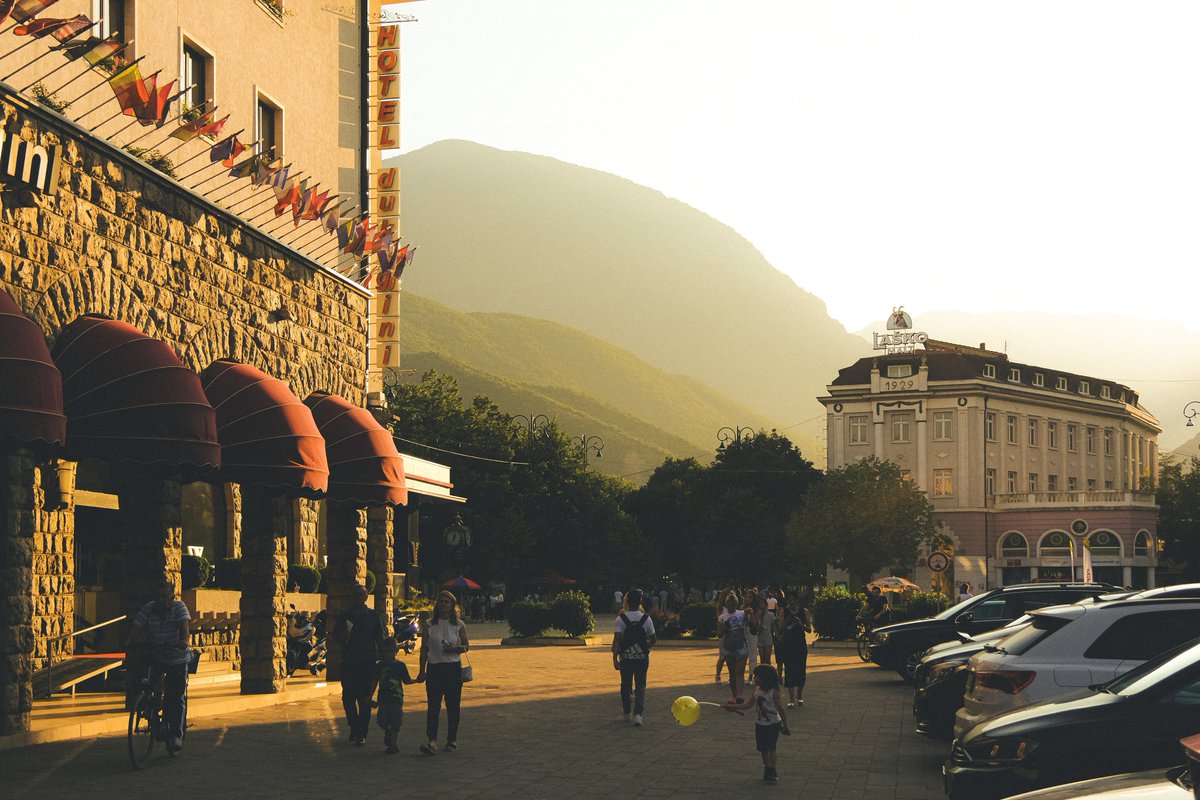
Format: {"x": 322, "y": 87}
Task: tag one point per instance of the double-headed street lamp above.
{"x": 532, "y": 424}
{"x": 735, "y": 434}
{"x": 1190, "y": 411}
{"x": 586, "y": 443}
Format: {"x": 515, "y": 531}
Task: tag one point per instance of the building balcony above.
{"x": 1093, "y": 499}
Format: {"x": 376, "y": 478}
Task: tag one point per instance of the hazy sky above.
{"x": 950, "y": 155}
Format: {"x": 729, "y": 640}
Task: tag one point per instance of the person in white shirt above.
{"x": 633, "y": 637}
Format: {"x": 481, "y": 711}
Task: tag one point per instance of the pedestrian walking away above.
{"x": 766, "y": 632}
{"x": 792, "y": 651}
{"x": 393, "y": 675}
{"x": 443, "y": 641}
{"x": 769, "y": 717}
{"x": 360, "y": 631}
{"x": 633, "y": 637}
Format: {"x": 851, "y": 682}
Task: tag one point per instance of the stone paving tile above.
{"x": 537, "y": 723}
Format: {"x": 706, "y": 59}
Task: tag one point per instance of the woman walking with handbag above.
{"x": 443, "y": 641}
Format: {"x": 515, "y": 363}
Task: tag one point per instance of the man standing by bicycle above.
{"x": 163, "y": 624}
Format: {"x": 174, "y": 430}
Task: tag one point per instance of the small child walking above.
{"x": 393, "y": 674}
{"x": 769, "y": 717}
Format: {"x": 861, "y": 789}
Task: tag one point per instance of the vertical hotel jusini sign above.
{"x": 385, "y": 195}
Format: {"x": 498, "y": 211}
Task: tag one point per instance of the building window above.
{"x": 858, "y": 430}
{"x": 989, "y": 370}
{"x": 943, "y": 483}
{"x": 1012, "y": 483}
{"x": 1011, "y": 426}
{"x": 989, "y": 426}
{"x": 1033, "y": 481}
{"x": 1014, "y": 545}
{"x": 268, "y": 124}
{"x": 1108, "y": 442}
{"x": 1091, "y": 440}
{"x": 202, "y": 509}
{"x": 1085, "y": 387}
{"x": 1051, "y": 483}
{"x": 901, "y": 427}
{"x": 1072, "y": 483}
{"x": 1104, "y": 543}
{"x": 1061, "y": 384}
{"x": 1014, "y": 375}
{"x": 943, "y": 426}
{"x": 112, "y": 19}
{"x": 1106, "y": 392}
{"x": 1108, "y": 486}
{"x": 1055, "y": 543}
{"x": 1142, "y": 545}
{"x": 989, "y": 482}
{"x": 899, "y": 370}
{"x": 1052, "y": 435}
{"x": 197, "y": 75}
{"x": 906, "y": 475}
{"x": 1033, "y": 433}
{"x": 1039, "y": 379}
{"x": 1091, "y": 484}
{"x": 1071, "y": 438}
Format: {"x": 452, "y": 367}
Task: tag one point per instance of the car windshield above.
{"x": 1144, "y": 676}
{"x": 956, "y": 609}
{"x": 1020, "y": 641}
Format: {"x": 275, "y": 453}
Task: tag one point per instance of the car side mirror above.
{"x": 964, "y": 618}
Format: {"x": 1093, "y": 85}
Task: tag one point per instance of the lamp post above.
{"x": 532, "y": 424}
{"x": 735, "y": 434}
{"x": 586, "y": 443}
{"x": 1190, "y": 411}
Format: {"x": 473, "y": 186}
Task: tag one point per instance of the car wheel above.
{"x": 907, "y": 665}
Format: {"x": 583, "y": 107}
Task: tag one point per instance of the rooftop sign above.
{"x": 900, "y": 339}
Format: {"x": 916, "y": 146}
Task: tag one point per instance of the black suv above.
{"x": 900, "y": 646}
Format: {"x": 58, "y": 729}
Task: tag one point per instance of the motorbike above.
{"x": 407, "y": 630}
{"x": 305, "y": 642}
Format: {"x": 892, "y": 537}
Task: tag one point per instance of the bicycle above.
{"x": 146, "y": 723}
{"x": 862, "y": 636}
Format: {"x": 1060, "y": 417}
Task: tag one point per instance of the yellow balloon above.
{"x": 685, "y": 710}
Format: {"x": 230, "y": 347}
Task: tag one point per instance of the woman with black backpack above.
{"x": 632, "y": 640}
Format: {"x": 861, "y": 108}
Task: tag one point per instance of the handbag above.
{"x": 468, "y": 672}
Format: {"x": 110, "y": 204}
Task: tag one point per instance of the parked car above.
{"x": 1069, "y": 648}
{"x": 900, "y": 646}
{"x": 1155, "y": 784}
{"x": 1130, "y": 724}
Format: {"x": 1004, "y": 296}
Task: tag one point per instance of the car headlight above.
{"x": 940, "y": 672}
{"x": 999, "y": 751}
{"x": 880, "y": 638}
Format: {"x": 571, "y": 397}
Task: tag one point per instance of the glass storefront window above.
{"x": 1014, "y": 546}
{"x": 203, "y": 511}
{"x": 1055, "y": 543}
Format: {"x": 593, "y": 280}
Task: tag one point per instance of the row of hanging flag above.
{"x": 149, "y": 103}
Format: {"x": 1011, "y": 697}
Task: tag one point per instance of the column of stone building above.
{"x": 266, "y": 524}
{"x": 16, "y": 589}
{"x": 303, "y": 548}
{"x": 347, "y": 545}
{"x": 381, "y": 553}
{"x": 233, "y": 520}
{"x": 151, "y": 519}
{"x": 53, "y": 563}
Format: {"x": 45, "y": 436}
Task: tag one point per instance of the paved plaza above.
{"x": 537, "y": 722}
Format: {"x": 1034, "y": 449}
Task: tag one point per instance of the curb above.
{"x": 552, "y": 641}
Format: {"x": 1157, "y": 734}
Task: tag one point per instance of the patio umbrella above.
{"x": 894, "y": 584}
{"x": 460, "y": 583}
{"x": 552, "y": 578}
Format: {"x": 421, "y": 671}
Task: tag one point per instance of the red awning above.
{"x": 364, "y": 466}
{"x": 268, "y": 437}
{"x": 128, "y": 397}
{"x": 31, "y": 395}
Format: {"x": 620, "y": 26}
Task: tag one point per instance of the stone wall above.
{"x": 53, "y": 572}
{"x": 303, "y": 549}
{"x": 16, "y": 587}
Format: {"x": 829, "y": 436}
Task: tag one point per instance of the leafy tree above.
{"x": 861, "y": 518}
{"x": 1179, "y": 514}
{"x": 670, "y": 510}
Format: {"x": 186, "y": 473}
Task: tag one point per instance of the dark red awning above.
{"x": 31, "y": 395}
{"x": 268, "y": 437}
{"x": 364, "y": 466}
{"x": 129, "y": 397}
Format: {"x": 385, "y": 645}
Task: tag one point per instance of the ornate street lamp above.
{"x": 532, "y": 424}
{"x": 586, "y": 443}
{"x": 736, "y": 434}
{"x": 1190, "y": 411}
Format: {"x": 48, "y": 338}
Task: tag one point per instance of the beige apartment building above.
{"x": 1022, "y": 463}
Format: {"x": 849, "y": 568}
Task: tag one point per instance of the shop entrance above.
{"x": 98, "y": 543}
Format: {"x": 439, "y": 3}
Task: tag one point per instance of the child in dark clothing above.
{"x": 393, "y": 675}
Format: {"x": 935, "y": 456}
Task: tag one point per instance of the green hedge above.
{"x": 306, "y": 578}
{"x": 229, "y": 574}
{"x": 528, "y": 619}
{"x": 833, "y": 611}
{"x": 666, "y": 624}
{"x": 700, "y": 619}
{"x": 571, "y": 613}
{"x": 195, "y": 572}
{"x": 919, "y": 605}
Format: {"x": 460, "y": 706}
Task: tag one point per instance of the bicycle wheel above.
{"x": 864, "y": 639}
{"x": 143, "y": 720}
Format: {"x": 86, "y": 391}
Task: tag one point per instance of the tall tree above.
{"x": 1178, "y": 499}
{"x": 861, "y": 518}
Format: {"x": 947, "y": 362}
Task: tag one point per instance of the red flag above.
{"x": 226, "y": 151}
{"x": 154, "y": 110}
{"x": 412, "y": 251}
{"x": 190, "y": 130}
{"x": 27, "y": 9}
{"x": 61, "y": 29}
{"x": 214, "y": 128}
{"x": 130, "y": 89}
{"x": 286, "y": 197}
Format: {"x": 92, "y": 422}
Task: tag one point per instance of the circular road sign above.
{"x": 938, "y": 562}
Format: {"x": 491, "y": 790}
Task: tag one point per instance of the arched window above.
{"x": 1014, "y": 545}
{"x": 1055, "y": 543}
{"x": 1105, "y": 543}
{"x": 1143, "y": 545}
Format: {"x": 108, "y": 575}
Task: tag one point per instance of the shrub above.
{"x": 700, "y": 618}
{"x": 571, "y": 613}
{"x": 833, "y": 611}
{"x": 370, "y": 582}
{"x": 229, "y": 574}
{"x": 194, "y": 572}
{"x": 306, "y": 578}
{"x": 666, "y": 624}
{"x": 528, "y": 619}
{"x": 925, "y": 604}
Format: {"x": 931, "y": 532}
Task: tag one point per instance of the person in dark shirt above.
{"x": 875, "y": 609}
{"x": 360, "y": 632}
{"x": 393, "y": 675}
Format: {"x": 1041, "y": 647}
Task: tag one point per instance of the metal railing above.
{"x": 52, "y": 649}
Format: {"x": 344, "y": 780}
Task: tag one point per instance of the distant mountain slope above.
{"x": 532, "y": 366}
{"x": 520, "y": 233}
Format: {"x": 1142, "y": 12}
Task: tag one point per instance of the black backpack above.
{"x": 634, "y": 644}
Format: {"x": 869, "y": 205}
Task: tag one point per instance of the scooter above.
{"x": 406, "y": 631}
{"x": 305, "y": 642}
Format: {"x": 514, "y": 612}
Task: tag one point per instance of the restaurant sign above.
{"x": 32, "y": 165}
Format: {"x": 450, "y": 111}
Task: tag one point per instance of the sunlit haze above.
{"x": 941, "y": 155}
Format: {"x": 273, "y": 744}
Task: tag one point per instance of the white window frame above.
{"x": 1072, "y": 483}
{"x": 1039, "y": 379}
{"x": 1014, "y": 375}
{"x": 943, "y": 482}
{"x": 1090, "y": 434}
{"x": 1012, "y": 481}
{"x": 901, "y": 427}
{"x": 1051, "y": 434}
{"x": 1010, "y": 428}
{"x": 989, "y": 482}
{"x": 989, "y": 370}
{"x": 210, "y": 71}
{"x": 1108, "y": 442}
{"x": 1051, "y": 483}
{"x": 856, "y": 424}
{"x": 1085, "y": 387}
{"x": 1061, "y": 384}
{"x": 899, "y": 370}
{"x": 943, "y": 426}
{"x": 1072, "y": 443}
{"x": 1032, "y": 433}
{"x": 1033, "y": 482}
{"x": 989, "y": 426}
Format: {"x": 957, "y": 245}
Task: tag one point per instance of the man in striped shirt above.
{"x": 163, "y": 624}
